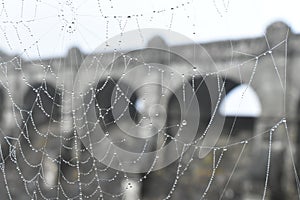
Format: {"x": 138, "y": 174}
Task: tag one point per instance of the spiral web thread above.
{"x": 41, "y": 159}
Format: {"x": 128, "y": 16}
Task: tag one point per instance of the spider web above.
{"x": 43, "y": 155}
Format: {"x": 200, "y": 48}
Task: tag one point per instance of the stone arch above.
{"x": 104, "y": 95}
{"x": 235, "y": 123}
{"x": 239, "y": 123}
{"x": 112, "y": 119}
{"x": 174, "y": 112}
{"x": 241, "y": 101}
{"x": 44, "y": 101}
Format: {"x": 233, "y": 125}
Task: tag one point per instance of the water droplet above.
{"x": 184, "y": 122}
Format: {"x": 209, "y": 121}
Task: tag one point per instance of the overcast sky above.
{"x": 48, "y": 28}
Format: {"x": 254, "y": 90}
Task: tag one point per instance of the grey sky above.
{"x": 48, "y": 28}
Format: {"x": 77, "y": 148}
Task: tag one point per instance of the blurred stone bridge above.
{"x": 36, "y": 108}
